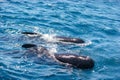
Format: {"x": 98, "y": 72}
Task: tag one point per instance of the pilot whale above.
{"x": 77, "y": 61}
{"x": 59, "y": 38}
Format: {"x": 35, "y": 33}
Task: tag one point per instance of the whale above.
{"x": 82, "y": 62}
{"x": 76, "y": 61}
{"x": 59, "y": 38}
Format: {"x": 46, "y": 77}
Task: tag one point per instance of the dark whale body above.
{"x": 59, "y": 38}
{"x": 31, "y": 33}
{"x": 28, "y": 45}
{"x": 67, "y": 39}
{"x": 82, "y": 62}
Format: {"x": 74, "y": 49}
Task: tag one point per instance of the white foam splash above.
{"x": 33, "y": 35}
{"x": 36, "y": 29}
{"x": 49, "y": 38}
{"x": 53, "y": 50}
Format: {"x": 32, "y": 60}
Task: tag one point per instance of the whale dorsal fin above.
{"x": 29, "y": 45}
{"x": 31, "y": 33}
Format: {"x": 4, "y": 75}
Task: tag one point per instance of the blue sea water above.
{"x": 95, "y": 21}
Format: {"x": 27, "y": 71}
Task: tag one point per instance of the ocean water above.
{"x": 95, "y": 21}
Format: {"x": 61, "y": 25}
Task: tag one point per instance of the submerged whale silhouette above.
{"x": 82, "y": 62}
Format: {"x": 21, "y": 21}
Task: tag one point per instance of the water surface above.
{"x": 96, "y": 21}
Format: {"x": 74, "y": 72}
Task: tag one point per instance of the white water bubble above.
{"x": 49, "y": 37}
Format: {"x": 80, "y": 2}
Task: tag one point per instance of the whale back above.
{"x": 83, "y": 62}
{"x": 67, "y": 39}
